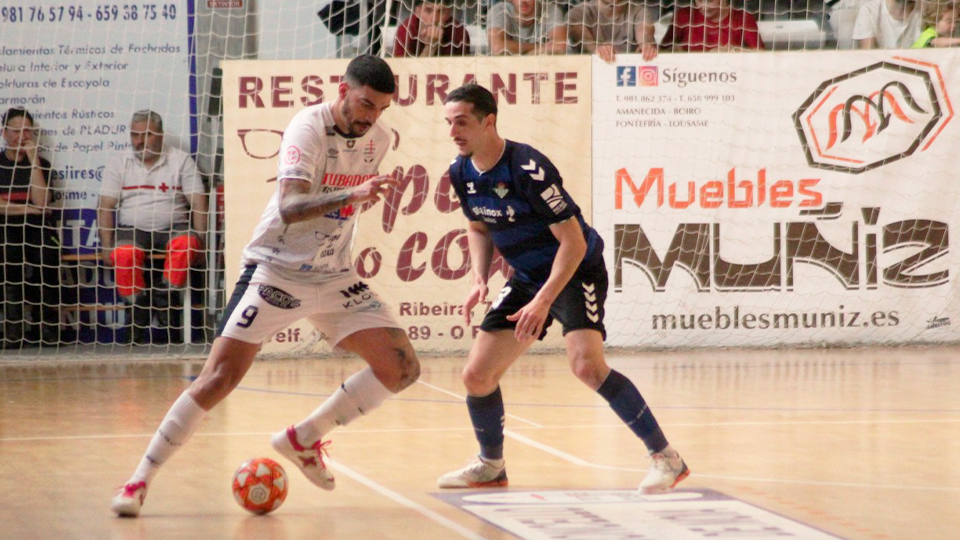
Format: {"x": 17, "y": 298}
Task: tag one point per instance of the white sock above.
{"x": 357, "y": 396}
{"x": 181, "y": 420}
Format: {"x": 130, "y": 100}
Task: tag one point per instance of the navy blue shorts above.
{"x": 580, "y": 304}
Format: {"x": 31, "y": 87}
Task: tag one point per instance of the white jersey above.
{"x": 319, "y": 249}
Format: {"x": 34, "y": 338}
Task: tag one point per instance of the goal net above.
{"x": 784, "y": 189}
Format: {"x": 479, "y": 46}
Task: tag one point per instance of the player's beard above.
{"x": 354, "y": 128}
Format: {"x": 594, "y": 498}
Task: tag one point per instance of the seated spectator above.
{"x": 939, "y": 20}
{"x": 154, "y": 190}
{"x": 887, "y": 24}
{"x": 712, "y": 25}
{"x": 526, "y": 27}
{"x": 29, "y": 269}
{"x": 608, "y": 27}
{"x": 432, "y": 31}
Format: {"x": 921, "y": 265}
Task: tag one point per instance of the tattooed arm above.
{"x": 298, "y": 204}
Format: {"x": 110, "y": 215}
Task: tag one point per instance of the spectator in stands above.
{"x": 432, "y": 30}
{"x": 526, "y": 27}
{"x": 939, "y": 19}
{"x": 887, "y": 24}
{"x": 154, "y": 189}
{"x": 712, "y": 25}
{"x": 607, "y": 27}
{"x": 28, "y": 236}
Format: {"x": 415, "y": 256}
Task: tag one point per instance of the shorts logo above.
{"x": 590, "y": 297}
{"x": 355, "y": 289}
{"x": 291, "y": 156}
{"x": 277, "y": 297}
{"x": 554, "y": 199}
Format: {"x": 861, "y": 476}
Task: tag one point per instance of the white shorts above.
{"x": 264, "y": 303}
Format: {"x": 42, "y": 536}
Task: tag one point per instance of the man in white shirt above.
{"x": 887, "y": 24}
{"x": 298, "y": 266}
{"x": 152, "y": 200}
{"x": 526, "y": 27}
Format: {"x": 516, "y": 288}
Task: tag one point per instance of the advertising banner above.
{"x": 411, "y": 250}
{"x": 774, "y": 199}
{"x": 82, "y": 68}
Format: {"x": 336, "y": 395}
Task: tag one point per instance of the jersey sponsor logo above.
{"x": 277, "y": 297}
{"x": 554, "y": 199}
{"x": 332, "y": 153}
{"x": 351, "y": 143}
{"x": 487, "y": 212}
{"x": 501, "y": 190}
{"x": 345, "y": 180}
{"x": 292, "y": 155}
{"x": 511, "y": 214}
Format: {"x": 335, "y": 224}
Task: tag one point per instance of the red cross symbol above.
{"x": 164, "y": 187}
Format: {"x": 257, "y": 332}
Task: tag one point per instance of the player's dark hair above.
{"x": 482, "y": 100}
{"x": 14, "y": 112}
{"x": 372, "y": 71}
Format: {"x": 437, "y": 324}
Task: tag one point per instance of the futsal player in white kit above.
{"x": 298, "y": 265}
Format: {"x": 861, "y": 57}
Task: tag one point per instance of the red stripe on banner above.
{"x": 16, "y": 196}
{"x": 160, "y": 187}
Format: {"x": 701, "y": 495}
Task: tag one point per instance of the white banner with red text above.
{"x": 412, "y": 250}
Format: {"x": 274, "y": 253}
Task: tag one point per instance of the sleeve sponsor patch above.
{"x": 292, "y": 155}
{"x": 554, "y": 199}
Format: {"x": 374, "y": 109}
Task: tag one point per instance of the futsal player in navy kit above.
{"x": 514, "y": 200}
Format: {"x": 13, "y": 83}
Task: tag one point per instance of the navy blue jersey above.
{"x": 518, "y": 199}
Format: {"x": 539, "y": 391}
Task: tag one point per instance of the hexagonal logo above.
{"x": 873, "y": 116}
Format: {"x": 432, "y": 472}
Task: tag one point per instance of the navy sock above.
{"x": 626, "y": 401}
{"x": 487, "y": 414}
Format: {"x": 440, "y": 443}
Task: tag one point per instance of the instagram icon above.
{"x": 649, "y": 76}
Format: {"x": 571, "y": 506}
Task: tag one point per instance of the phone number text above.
{"x": 101, "y": 13}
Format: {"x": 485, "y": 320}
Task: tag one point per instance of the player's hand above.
{"x": 530, "y": 320}
{"x": 431, "y": 33}
{"x": 606, "y": 53}
{"x": 373, "y": 189}
{"x": 30, "y": 148}
{"x": 478, "y": 293}
{"x": 649, "y": 51}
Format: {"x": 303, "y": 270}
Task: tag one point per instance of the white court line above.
{"x": 354, "y": 431}
{"x": 458, "y": 396}
{"x": 400, "y": 499}
{"x": 584, "y": 463}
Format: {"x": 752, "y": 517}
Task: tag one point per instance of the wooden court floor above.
{"x": 859, "y": 444}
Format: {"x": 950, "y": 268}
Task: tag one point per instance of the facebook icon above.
{"x": 626, "y": 76}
